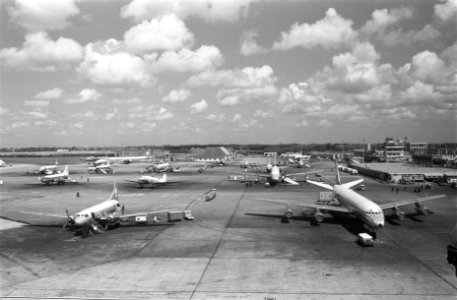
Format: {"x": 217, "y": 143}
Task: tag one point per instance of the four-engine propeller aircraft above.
{"x": 103, "y": 168}
{"x": 275, "y": 177}
{"x": 48, "y": 170}
{"x": 152, "y": 181}
{"x": 110, "y": 214}
{"x": 159, "y": 168}
{"x": 59, "y": 178}
{"x": 347, "y": 201}
{"x": 123, "y": 159}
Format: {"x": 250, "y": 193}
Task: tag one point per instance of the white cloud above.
{"x": 37, "y": 103}
{"x": 355, "y": 71}
{"x": 331, "y": 32}
{"x": 216, "y": 118}
{"x": 208, "y": 10}
{"x": 110, "y": 115}
{"x": 165, "y": 33}
{"x": 381, "y": 19}
{"x": 324, "y": 123}
{"x": 150, "y": 113}
{"x": 85, "y": 95}
{"x": 446, "y": 11}
{"x": 302, "y": 123}
{"x": 230, "y": 97}
{"x": 236, "y": 118}
{"x": 198, "y": 107}
{"x": 134, "y": 100}
{"x": 51, "y": 94}
{"x": 186, "y": 60}
{"x": 39, "y": 15}
{"x": 40, "y": 53}
{"x": 385, "y": 27}
{"x": 249, "y": 46}
{"x": 107, "y": 68}
{"x": 37, "y": 115}
{"x": 176, "y": 96}
{"x": 247, "y": 77}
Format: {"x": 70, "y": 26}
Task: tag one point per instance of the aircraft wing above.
{"x": 135, "y": 181}
{"x": 408, "y": 201}
{"x": 138, "y": 214}
{"x": 290, "y": 181}
{"x": 304, "y": 173}
{"x": 253, "y": 174}
{"x": 314, "y": 206}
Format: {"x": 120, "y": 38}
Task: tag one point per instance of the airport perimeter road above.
{"x": 224, "y": 253}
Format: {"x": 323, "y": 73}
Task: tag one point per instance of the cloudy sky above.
{"x": 238, "y": 71}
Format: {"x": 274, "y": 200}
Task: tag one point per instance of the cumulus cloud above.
{"x": 355, "y": 71}
{"x": 239, "y": 84}
{"x": 385, "y": 27}
{"x": 37, "y": 103}
{"x": 331, "y": 32}
{"x": 176, "y": 96}
{"x": 110, "y": 115}
{"x": 249, "y": 46}
{"x": 247, "y": 77}
{"x": 446, "y": 11}
{"x": 198, "y": 107}
{"x": 216, "y": 118}
{"x": 164, "y": 33}
{"x": 150, "y": 113}
{"x": 40, "y": 53}
{"x": 85, "y": 95}
{"x": 104, "y": 66}
{"x": 54, "y": 93}
{"x": 40, "y": 15}
{"x": 208, "y": 10}
{"x": 236, "y": 118}
{"x": 185, "y": 60}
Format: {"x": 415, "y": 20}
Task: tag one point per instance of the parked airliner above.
{"x": 59, "y": 178}
{"x": 347, "y": 201}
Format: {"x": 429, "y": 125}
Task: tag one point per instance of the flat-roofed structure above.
{"x": 395, "y": 172}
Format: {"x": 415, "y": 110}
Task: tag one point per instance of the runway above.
{"x": 222, "y": 254}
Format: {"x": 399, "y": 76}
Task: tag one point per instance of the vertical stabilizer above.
{"x": 338, "y": 179}
{"x": 65, "y": 171}
{"x": 114, "y": 194}
{"x": 164, "y": 177}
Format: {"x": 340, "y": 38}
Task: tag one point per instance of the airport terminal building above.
{"x": 404, "y": 173}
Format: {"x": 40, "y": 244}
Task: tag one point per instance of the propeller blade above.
{"x": 122, "y": 209}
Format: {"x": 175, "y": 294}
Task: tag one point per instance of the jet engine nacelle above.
{"x": 421, "y": 209}
{"x": 319, "y": 217}
{"x": 267, "y": 184}
{"x": 398, "y": 214}
{"x": 289, "y": 214}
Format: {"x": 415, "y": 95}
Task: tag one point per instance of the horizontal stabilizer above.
{"x": 290, "y": 181}
{"x": 324, "y": 185}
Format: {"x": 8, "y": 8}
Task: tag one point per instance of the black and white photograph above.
{"x": 228, "y": 149}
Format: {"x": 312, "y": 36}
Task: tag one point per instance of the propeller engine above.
{"x": 398, "y": 214}
{"x": 70, "y": 220}
{"x": 318, "y": 217}
{"x": 422, "y": 210}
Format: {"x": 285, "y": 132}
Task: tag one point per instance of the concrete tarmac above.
{"x": 222, "y": 254}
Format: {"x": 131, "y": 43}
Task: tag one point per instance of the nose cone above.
{"x": 79, "y": 221}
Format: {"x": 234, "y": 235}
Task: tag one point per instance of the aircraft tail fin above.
{"x": 65, "y": 171}
{"x": 338, "y": 178}
{"x": 164, "y": 177}
{"x": 114, "y": 194}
